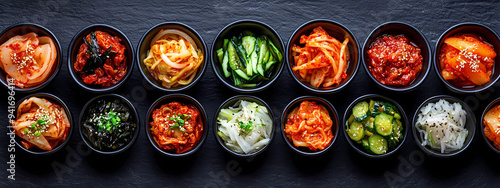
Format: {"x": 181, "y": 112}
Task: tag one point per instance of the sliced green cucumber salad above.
{"x": 376, "y": 126}
{"x": 248, "y": 59}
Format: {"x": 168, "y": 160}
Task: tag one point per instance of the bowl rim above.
{"x": 436, "y": 52}
{"x": 56, "y": 69}
{"x": 296, "y": 102}
{"x": 347, "y": 113}
{"x": 204, "y": 118}
{"x": 315, "y": 90}
{"x": 125, "y": 42}
{"x": 197, "y": 35}
{"x": 230, "y": 85}
{"x": 492, "y": 104}
{"x": 215, "y": 126}
{"x": 52, "y": 98}
{"x": 126, "y": 102}
{"x": 430, "y": 151}
{"x": 366, "y": 46}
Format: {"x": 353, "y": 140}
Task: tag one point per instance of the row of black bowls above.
{"x": 337, "y": 126}
{"x": 334, "y": 29}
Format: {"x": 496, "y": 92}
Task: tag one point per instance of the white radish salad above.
{"x": 442, "y": 126}
{"x": 246, "y": 127}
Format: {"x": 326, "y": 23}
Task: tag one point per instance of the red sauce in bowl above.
{"x": 394, "y": 60}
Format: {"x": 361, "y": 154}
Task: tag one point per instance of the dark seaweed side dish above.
{"x": 108, "y": 124}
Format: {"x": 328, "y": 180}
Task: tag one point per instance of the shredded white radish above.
{"x": 235, "y": 136}
{"x": 172, "y": 64}
{"x": 442, "y": 126}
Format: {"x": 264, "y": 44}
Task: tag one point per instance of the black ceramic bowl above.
{"x": 486, "y": 33}
{"x": 183, "y": 99}
{"x": 358, "y": 147}
{"x": 22, "y": 29}
{"x": 335, "y": 30}
{"x": 415, "y": 36}
{"x": 53, "y": 99}
{"x": 470, "y": 125}
{"x": 109, "y": 97}
{"x": 74, "y": 46}
{"x": 144, "y": 47}
{"x": 234, "y": 29}
{"x": 295, "y": 104}
{"x": 230, "y": 103}
{"x": 492, "y": 105}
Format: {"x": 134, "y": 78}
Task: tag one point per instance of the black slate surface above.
{"x": 279, "y": 166}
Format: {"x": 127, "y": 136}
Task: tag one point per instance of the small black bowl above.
{"x": 74, "y": 47}
{"x": 295, "y": 104}
{"x": 234, "y": 29}
{"x": 415, "y": 36}
{"x": 336, "y": 30}
{"x": 133, "y": 112}
{"x": 183, "y": 99}
{"x": 492, "y": 105}
{"x": 25, "y": 28}
{"x": 358, "y": 147}
{"x": 488, "y": 34}
{"x": 469, "y": 125}
{"x": 231, "y": 102}
{"x": 144, "y": 47}
{"x": 56, "y": 100}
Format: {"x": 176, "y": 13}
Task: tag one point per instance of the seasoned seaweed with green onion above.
{"x": 109, "y": 124}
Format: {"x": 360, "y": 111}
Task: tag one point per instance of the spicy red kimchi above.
{"x": 101, "y": 59}
{"x": 176, "y": 127}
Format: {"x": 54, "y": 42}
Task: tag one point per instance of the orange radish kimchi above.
{"x": 323, "y": 60}
{"x": 466, "y": 60}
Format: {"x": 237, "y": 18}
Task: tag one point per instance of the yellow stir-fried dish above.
{"x": 174, "y": 58}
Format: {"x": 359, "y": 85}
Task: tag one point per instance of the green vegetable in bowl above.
{"x": 360, "y": 111}
{"x": 378, "y": 144}
{"x": 376, "y": 126}
{"x": 248, "y": 59}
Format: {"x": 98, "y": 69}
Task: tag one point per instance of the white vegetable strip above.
{"x": 176, "y": 32}
{"x": 172, "y": 64}
{"x": 234, "y": 136}
{"x": 442, "y": 126}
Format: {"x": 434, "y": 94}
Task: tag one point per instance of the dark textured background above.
{"x": 278, "y": 166}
